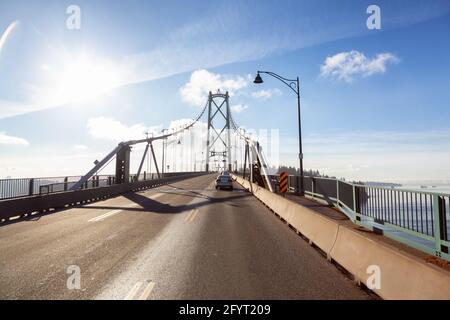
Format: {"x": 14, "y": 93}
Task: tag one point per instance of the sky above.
{"x": 374, "y": 102}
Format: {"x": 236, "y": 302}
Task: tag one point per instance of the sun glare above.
{"x": 79, "y": 78}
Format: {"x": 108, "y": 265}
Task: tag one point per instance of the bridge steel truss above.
{"x": 122, "y": 154}
{"x": 218, "y": 106}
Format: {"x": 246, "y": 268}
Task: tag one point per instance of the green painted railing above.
{"x": 417, "y": 218}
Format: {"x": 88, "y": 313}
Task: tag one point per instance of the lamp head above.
{"x": 258, "y": 79}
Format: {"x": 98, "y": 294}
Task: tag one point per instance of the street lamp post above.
{"x": 174, "y": 143}
{"x": 294, "y": 85}
{"x": 163, "y": 152}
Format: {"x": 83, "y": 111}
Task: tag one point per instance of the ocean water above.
{"x": 440, "y": 188}
{"x": 411, "y": 209}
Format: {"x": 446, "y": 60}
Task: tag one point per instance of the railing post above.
{"x": 31, "y": 187}
{"x": 354, "y": 199}
{"x": 313, "y": 186}
{"x": 440, "y": 225}
{"x": 337, "y": 191}
{"x": 358, "y": 199}
{"x": 66, "y": 179}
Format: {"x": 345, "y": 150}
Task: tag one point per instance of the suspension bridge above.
{"x": 167, "y": 233}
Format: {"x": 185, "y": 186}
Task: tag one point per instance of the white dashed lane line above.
{"x": 114, "y": 212}
{"x": 104, "y": 216}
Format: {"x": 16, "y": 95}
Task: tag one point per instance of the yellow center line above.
{"x": 194, "y": 215}
{"x": 211, "y": 185}
{"x": 148, "y": 290}
{"x": 134, "y": 291}
{"x": 189, "y": 215}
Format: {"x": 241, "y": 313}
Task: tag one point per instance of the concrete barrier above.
{"x": 402, "y": 275}
{"x": 320, "y": 231}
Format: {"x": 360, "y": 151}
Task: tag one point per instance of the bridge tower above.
{"x": 218, "y": 106}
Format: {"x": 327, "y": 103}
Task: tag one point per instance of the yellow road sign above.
{"x": 283, "y": 182}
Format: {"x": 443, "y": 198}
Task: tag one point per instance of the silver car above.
{"x": 224, "y": 182}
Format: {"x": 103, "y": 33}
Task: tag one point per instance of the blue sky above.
{"x": 376, "y": 109}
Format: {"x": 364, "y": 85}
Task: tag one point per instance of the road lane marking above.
{"x": 212, "y": 184}
{"x": 104, "y": 216}
{"x": 113, "y": 212}
{"x": 184, "y": 191}
{"x": 148, "y": 290}
{"x": 189, "y": 215}
{"x": 134, "y": 291}
{"x": 193, "y": 216}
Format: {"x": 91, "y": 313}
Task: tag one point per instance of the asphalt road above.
{"x": 182, "y": 241}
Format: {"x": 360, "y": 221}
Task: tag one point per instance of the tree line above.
{"x": 296, "y": 171}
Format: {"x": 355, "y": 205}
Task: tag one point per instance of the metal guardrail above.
{"x": 24, "y": 206}
{"x": 15, "y": 188}
{"x": 420, "y": 219}
{"x": 65, "y": 186}
{"x": 24, "y": 187}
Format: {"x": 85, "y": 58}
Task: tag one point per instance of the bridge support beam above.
{"x": 154, "y": 160}
{"x": 246, "y": 156}
{"x": 142, "y": 161}
{"x": 123, "y": 165}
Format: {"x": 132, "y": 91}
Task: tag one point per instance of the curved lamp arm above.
{"x": 294, "y": 84}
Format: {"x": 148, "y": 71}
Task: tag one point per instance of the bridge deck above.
{"x": 182, "y": 241}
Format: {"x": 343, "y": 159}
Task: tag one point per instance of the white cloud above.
{"x": 345, "y": 66}
{"x": 80, "y": 147}
{"x": 195, "y": 92}
{"x": 266, "y": 94}
{"x": 238, "y": 108}
{"x": 111, "y": 129}
{"x": 12, "y": 108}
{"x": 12, "y": 141}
